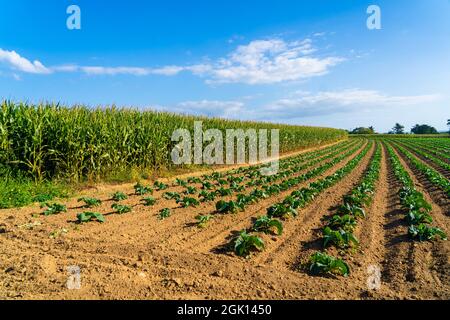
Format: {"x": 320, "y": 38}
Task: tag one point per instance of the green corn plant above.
{"x": 160, "y": 185}
{"x": 202, "y": 220}
{"x": 423, "y": 232}
{"x": 53, "y": 208}
{"x": 119, "y": 196}
{"x": 246, "y": 242}
{"x": 90, "y": 216}
{"x": 141, "y": 190}
{"x": 164, "y": 213}
{"x": 228, "y": 207}
{"x": 321, "y": 263}
{"x": 121, "y": 209}
{"x": 90, "y": 202}
{"x": 340, "y": 238}
{"x": 188, "y": 202}
{"x": 148, "y": 201}
{"x": 266, "y": 224}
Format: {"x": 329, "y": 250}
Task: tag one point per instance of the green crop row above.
{"x": 48, "y": 140}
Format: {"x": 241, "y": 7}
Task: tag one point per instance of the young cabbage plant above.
{"x": 164, "y": 213}
{"x": 119, "y": 196}
{"x": 246, "y": 242}
{"x": 340, "y": 238}
{"x": 121, "y": 209}
{"x": 148, "y": 201}
{"x": 141, "y": 190}
{"x": 321, "y": 263}
{"x": 190, "y": 190}
{"x": 207, "y": 196}
{"x": 53, "y": 208}
{"x": 202, "y": 220}
{"x": 188, "y": 202}
{"x": 160, "y": 185}
{"x": 171, "y": 195}
{"x": 228, "y": 207}
{"x": 90, "y": 202}
{"x": 90, "y": 216}
{"x": 423, "y": 232}
{"x": 266, "y": 225}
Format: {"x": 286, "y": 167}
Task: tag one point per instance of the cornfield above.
{"x": 49, "y": 140}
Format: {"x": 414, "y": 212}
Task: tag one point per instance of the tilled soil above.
{"x": 136, "y": 256}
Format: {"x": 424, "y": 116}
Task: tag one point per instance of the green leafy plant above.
{"x": 280, "y": 210}
{"x": 340, "y": 238}
{"x": 90, "y": 216}
{"x": 160, "y": 185}
{"x": 224, "y": 192}
{"x": 188, "y": 202}
{"x": 148, "y": 201}
{"x": 207, "y": 185}
{"x": 164, "y": 213}
{"x": 321, "y": 263}
{"x": 202, "y": 220}
{"x": 140, "y": 189}
{"x": 190, "y": 190}
{"x": 346, "y": 222}
{"x": 423, "y": 232}
{"x": 266, "y": 224}
{"x": 90, "y": 202}
{"x": 228, "y": 207}
{"x": 53, "y": 208}
{"x": 207, "y": 196}
{"x": 351, "y": 209}
{"x": 119, "y": 196}
{"x": 416, "y": 217}
{"x": 181, "y": 182}
{"x": 246, "y": 242}
{"x": 121, "y": 209}
{"x": 171, "y": 195}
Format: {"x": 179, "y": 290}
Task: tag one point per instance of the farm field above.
{"x": 321, "y": 228}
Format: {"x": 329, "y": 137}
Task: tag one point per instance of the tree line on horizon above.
{"x": 399, "y": 129}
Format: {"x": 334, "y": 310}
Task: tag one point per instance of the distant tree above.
{"x": 398, "y": 129}
{"x": 371, "y": 128}
{"x": 448, "y": 124}
{"x": 423, "y": 129}
{"x": 362, "y": 130}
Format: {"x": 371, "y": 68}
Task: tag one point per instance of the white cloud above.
{"x": 305, "y": 104}
{"x": 15, "y": 61}
{"x": 258, "y": 62}
{"x": 268, "y": 61}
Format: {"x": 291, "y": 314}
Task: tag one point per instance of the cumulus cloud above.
{"x": 268, "y": 61}
{"x": 258, "y": 62}
{"x": 305, "y": 104}
{"x": 17, "y": 62}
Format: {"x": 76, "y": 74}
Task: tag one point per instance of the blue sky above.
{"x": 300, "y": 62}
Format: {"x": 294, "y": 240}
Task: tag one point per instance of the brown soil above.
{"x": 136, "y": 256}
